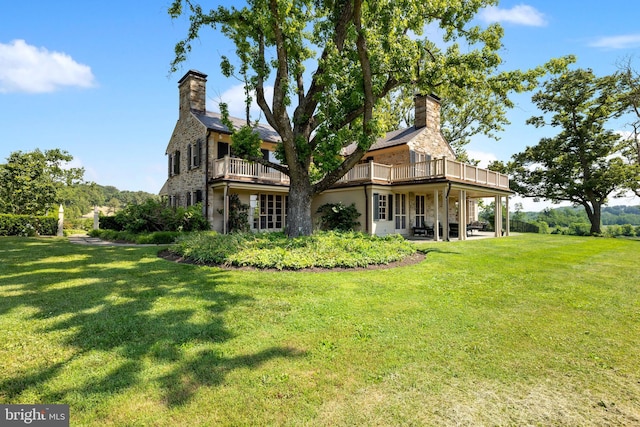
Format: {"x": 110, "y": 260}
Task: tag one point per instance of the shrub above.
{"x": 275, "y": 250}
{"x": 338, "y": 217}
{"x": 152, "y": 215}
{"x": 27, "y": 225}
{"x": 109, "y": 223}
{"x": 580, "y": 229}
{"x": 543, "y": 227}
{"x": 628, "y": 230}
{"x": 155, "y": 238}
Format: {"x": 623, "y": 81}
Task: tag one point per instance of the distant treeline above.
{"x": 80, "y": 199}
{"x": 566, "y": 216}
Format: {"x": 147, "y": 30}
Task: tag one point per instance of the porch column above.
{"x": 445, "y": 226}
{"x": 508, "y": 226}
{"x": 498, "y": 216}
{"x": 436, "y": 229}
{"x": 225, "y": 213}
{"x": 462, "y": 215}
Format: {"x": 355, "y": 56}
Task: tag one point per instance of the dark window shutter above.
{"x": 189, "y": 156}
{"x": 170, "y": 165}
{"x": 390, "y": 207}
{"x": 376, "y": 206}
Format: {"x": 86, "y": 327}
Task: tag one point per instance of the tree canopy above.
{"x": 630, "y": 88}
{"x": 333, "y": 63}
{"x": 30, "y": 182}
{"x": 582, "y": 164}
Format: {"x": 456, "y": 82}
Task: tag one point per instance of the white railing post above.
{"x": 96, "y": 218}
{"x": 60, "y": 221}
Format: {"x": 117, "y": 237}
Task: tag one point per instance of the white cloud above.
{"x": 520, "y": 15}
{"x": 234, "y": 97}
{"x": 617, "y": 42}
{"x": 483, "y": 157}
{"x": 31, "y": 69}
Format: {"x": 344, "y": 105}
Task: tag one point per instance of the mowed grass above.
{"x": 525, "y": 330}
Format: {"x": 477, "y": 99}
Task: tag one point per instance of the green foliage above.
{"x": 581, "y": 164}
{"x": 156, "y": 237}
{"x": 543, "y": 227}
{"x": 238, "y": 214}
{"x": 28, "y": 225}
{"x": 85, "y": 224}
{"x": 579, "y": 229}
{"x": 31, "y": 183}
{"x": 109, "y": 223}
{"x": 153, "y": 215}
{"x": 338, "y": 217}
{"x": 275, "y": 250}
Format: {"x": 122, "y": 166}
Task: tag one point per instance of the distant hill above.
{"x": 565, "y": 216}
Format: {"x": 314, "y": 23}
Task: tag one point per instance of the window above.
{"x": 223, "y": 150}
{"x": 420, "y": 211}
{"x": 382, "y": 207}
{"x": 176, "y": 163}
{"x": 198, "y": 196}
{"x": 195, "y": 154}
{"x": 268, "y": 211}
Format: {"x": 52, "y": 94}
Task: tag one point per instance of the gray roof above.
{"x": 391, "y": 139}
{"x": 213, "y": 121}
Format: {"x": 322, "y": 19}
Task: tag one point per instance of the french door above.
{"x": 400, "y": 213}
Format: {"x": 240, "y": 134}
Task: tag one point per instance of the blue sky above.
{"x": 93, "y": 78}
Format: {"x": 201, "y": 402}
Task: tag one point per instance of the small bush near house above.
{"x": 275, "y": 250}
{"x": 338, "y": 217}
{"x": 152, "y": 215}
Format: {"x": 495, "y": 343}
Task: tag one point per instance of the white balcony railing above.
{"x": 232, "y": 168}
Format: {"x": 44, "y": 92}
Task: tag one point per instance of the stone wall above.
{"x": 188, "y": 131}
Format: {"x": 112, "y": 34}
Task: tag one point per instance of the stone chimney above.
{"x": 192, "y": 89}
{"x": 427, "y": 112}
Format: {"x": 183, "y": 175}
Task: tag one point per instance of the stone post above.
{"x": 60, "y": 221}
{"x": 96, "y": 218}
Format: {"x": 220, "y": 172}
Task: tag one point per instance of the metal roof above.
{"x": 213, "y": 121}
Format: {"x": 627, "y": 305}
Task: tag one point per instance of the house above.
{"x": 408, "y": 182}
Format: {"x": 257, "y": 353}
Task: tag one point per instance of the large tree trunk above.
{"x": 594, "y": 212}
{"x": 299, "y": 221}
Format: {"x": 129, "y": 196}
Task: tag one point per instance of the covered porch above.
{"x": 445, "y": 210}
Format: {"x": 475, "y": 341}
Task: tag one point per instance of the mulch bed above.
{"x": 410, "y": 260}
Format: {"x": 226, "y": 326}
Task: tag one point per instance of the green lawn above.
{"x": 525, "y": 330}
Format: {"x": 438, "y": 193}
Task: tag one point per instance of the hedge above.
{"x": 27, "y": 225}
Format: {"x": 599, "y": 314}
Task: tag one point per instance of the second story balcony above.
{"x": 241, "y": 170}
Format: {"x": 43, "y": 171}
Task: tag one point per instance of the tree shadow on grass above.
{"x": 123, "y": 304}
